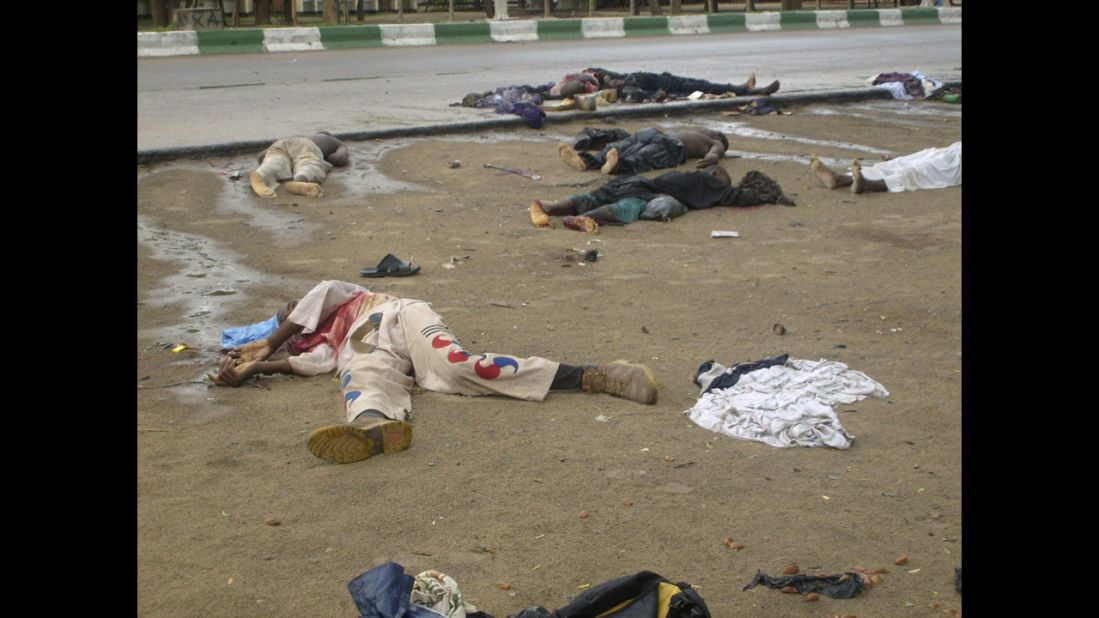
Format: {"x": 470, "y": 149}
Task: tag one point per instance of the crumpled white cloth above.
{"x": 439, "y": 592}
{"x": 787, "y": 405}
{"x": 930, "y": 168}
{"x": 897, "y": 88}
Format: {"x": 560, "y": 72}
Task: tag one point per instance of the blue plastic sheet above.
{"x": 240, "y": 335}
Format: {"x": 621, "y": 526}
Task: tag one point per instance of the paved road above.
{"x": 206, "y": 100}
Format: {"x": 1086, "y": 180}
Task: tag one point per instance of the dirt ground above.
{"x": 492, "y": 489}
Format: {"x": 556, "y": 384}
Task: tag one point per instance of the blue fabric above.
{"x": 240, "y": 335}
{"x": 385, "y": 592}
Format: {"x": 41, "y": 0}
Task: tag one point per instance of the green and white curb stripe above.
{"x": 688, "y": 24}
{"x": 292, "y": 39}
{"x": 832, "y": 19}
{"x": 511, "y": 31}
{"x": 757, "y": 22}
{"x": 183, "y": 43}
{"x": 395, "y": 35}
{"x": 605, "y": 28}
{"x": 407, "y": 34}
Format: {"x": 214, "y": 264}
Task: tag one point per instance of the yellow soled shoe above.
{"x": 622, "y": 379}
{"x": 359, "y": 440}
{"x": 571, "y": 157}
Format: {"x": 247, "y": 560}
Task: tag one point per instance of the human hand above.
{"x": 232, "y": 372}
{"x": 255, "y": 351}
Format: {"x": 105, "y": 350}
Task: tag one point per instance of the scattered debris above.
{"x": 724, "y": 234}
{"x": 903, "y": 560}
{"x": 513, "y": 170}
{"x": 272, "y": 521}
{"x": 778, "y": 329}
{"x": 791, "y": 570}
{"x": 455, "y": 164}
{"x": 503, "y": 585}
{"x": 845, "y": 586}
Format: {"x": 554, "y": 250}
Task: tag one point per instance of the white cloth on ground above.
{"x": 787, "y": 405}
{"x": 897, "y": 88}
{"x": 930, "y": 168}
{"x": 439, "y": 592}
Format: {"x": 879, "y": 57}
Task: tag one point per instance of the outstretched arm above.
{"x": 712, "y": 156}
{"x": 262, "y": 349}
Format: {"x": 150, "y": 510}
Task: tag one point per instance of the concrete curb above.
{"x": 160, "y": 155}
{"x": 261, "y": 40}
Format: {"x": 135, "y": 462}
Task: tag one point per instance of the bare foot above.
{"x": 308, "y": 189}
{"x": 751, "y": 83}
{"x": 538, "y": 216}
{"x": 858, "y": 183}
{"x": 827, "y": 177}
{"x": 581, "y": 224}
{"x": 571, "y": 157}
{"x": 259, "y": 186}
{"x": 770, "y": 88}
{"x": 612, "y": 162}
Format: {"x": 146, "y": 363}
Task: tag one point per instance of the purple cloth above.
{"x": 912, "y": 84}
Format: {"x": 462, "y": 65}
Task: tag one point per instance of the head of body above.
{"x": 286, "y": 311}
{"x": 718, "y": 172}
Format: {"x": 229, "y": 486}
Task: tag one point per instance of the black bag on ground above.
{"x": 644, "y": 595}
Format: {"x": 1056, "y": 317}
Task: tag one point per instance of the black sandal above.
{"x": 390, "y": 266}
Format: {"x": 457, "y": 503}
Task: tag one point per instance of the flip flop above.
{"x": 391, "y": 266}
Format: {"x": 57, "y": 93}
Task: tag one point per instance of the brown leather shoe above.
{"x": 622, "y": 379}
{"x": 360, "y": 439}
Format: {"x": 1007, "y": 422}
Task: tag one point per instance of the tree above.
{"x": 263, "y": 12}
{"x": 332, "y": 11}
{"x": 676, "y": 7}
{"x": 161, "y": 11}
{"x": 654, "y": 8}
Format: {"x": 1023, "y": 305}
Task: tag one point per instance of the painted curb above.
{"x": 160, "y": 155}
{"x": 260, "y": 40}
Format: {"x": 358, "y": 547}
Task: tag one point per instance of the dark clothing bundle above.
{"x": 593, "y": 139}
{"x": 522, "y": 101}
{"x": 648, "y": 149}
{"x": 674, "y": 85}
{"x": 845, "y": 586}
{"x": 695, "y": 189}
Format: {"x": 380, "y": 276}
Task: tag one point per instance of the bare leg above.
{"x": 308, "y": 189}
{"x": 538, "y": 216}
{"x": 581, "y": 224}
{"x": 571, "y": 157}
{"x": 612, "y": 162}
{"x": 826, "y": 176}
{"x": 861, "y": 184}
{"x": 259, "y": 186}
{"x": 558, "y": 209}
